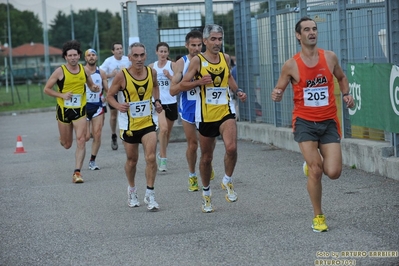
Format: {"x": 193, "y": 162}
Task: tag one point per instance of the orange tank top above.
{"x": 314, "y": 93}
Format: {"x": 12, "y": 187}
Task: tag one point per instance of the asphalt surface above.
{"x": 45, "y": 219}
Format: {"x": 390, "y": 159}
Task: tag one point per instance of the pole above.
{"x": 208, "y": 12}
{"x": 45, "y": 40}
{"x": 6, "y": 72}
{"x": 72, "y": 25}
{"x": 10, "y": 52}
{"x": 133, "y": 22}
{"x": 97, "y": 39}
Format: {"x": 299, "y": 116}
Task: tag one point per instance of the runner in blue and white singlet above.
{"x": 187, "y": 99}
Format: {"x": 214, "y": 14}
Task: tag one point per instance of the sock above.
{"x": 113, "y": 136}
{"x": 76, "y": 170}
{"x": 149, "y": 190}
{"x": 132, "y": 189}
{"x": 226, "y": 179}
{"x": 93, "y": 157}
{"x": 206, "y": 191}
{"x": 192, "y": 174}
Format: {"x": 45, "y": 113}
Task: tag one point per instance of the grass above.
{"x": 24, "y": 97}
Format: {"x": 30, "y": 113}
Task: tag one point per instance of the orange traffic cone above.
{"x": 20, "y": 146}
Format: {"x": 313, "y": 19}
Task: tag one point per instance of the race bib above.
{"x": 163, "y": 83}
{"x": 192, "y": 94}
{"x": 140, "y": 109}
{"x": 93, "y": 97}
{"x": 216, "y": 95}
{"x": 75, "y": 101}
{"x": 315, "y": 97}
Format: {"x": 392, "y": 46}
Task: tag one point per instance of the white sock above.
{"x": 149, "y": 191}
{"x": 227, "y": 179}
{"x": 192, "y": 174}
{"x": 132, "y": 189}
{"x": 206, "y": 192}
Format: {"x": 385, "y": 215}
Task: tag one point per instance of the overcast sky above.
{"x": 53, "y": 6}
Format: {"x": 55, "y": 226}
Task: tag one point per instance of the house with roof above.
{"x": 28, "y": 61}
{"x": 32, "y": 55}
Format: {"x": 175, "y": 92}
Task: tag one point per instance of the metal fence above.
{"x": 358, "y": 31}
{"x": 170, "y": 23}
{"x": 265, "y": 39}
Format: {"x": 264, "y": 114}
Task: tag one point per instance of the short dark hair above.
{"x": 298, "y": 26}
{"x": 193, "y": 34}
{"x": 71, "y": 45}
{"x": 113, "y": 45}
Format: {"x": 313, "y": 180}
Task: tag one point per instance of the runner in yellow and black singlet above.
{"x": 73, "y": 108}
{"x": 138, "y": 94}
{"x": 215, "y": 114}
{"x": 214, "y": 103}
{"x": 71, "y": 102}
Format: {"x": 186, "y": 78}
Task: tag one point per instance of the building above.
{"x": 28, "y": 62}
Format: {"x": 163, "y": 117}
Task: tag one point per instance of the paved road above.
{"x": 47, "y": 220}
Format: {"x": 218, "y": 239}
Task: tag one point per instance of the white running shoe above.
{"x": 206, "y": 204}
{"x": 93, "y": 166}
{"x": 162, "y": 163}
{"x": 149, "y": 199}
{"x": 132, "y": 199}
{"x": 231, "y": 195}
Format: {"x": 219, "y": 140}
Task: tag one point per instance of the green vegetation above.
{"x": 24, "y": 97}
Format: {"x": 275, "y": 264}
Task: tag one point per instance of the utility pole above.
{"x": 72, "y": 25}
{"x": 45, "y": 42}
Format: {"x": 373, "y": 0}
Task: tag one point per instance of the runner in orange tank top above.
{"x": 315, "y": 123}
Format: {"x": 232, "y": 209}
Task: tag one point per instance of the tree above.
{"x": 25, "y": 26}
{"x": 109, "y": 28}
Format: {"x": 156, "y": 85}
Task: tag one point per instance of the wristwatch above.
{"x": 239, "y": 90}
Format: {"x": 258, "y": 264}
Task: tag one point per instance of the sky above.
{"x": 53, "y": 6}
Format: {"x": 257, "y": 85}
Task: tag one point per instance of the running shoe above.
{"x": 193, "y": 183}
{"x": 163, "y": 165}
{"x": 132, "y": 199}
{"x": 212, "y": 174}
{"x": 206, "y": 204}
{"x": 93, "y": 166}
{"x": 149, "y": 199}
{"x": 114, "y": 143}
{"x": 77, "y": 178}
{"x": 231, "y": 195}
{"x": 305, "y": 169}
{"x": 319, "y": 224}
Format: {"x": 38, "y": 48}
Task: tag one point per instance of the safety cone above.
{"x": 20, "y": 146}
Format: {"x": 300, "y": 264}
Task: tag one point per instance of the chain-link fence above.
{"x": 265, "y": 39}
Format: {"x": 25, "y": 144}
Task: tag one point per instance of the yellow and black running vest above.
{"x": 213, "y": 102}
{"x": 74, "y": 83}
{"x": 138, "y": 93}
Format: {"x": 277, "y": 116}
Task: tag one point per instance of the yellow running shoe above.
{"x": 77, "y": 178}
{"x": 192, "y": 183}
{"x": 319, "y": 224}
{"x": 305, "y": 169}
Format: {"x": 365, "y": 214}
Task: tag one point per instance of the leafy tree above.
{"x": 109, "y": 28}
{"x": 25, "y": 26}
{"x": 167, "y": 20}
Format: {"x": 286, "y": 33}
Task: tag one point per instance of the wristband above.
{"x": 239, "y": 90}
{"x": 345, "y": 94}
{"x": 157, "y": 100}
